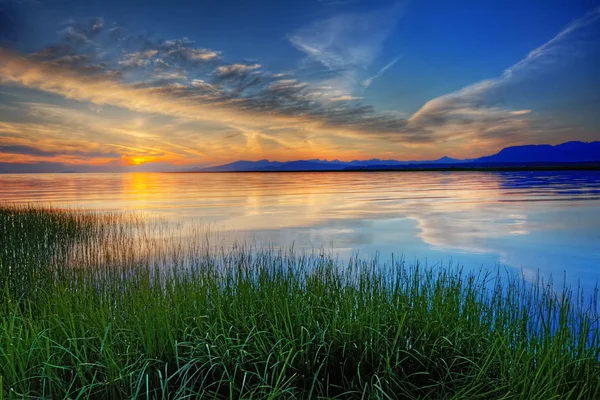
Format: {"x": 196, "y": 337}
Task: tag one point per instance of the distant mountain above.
{"x": 243, "y": 166}
{"x": 447, "y": 160}
{"x": 312, "y": 166}
{"x": 316, "y": 165}
{"x": 544, "y": 153}
{"x": 377, "y": 162}
{"x": 570, "y": 152}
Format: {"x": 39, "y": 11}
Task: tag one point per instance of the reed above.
{"x": 100, "y": 305}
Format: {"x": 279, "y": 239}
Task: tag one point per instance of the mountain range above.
{"x": 544, "y": 154}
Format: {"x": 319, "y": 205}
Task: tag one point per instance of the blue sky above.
{"x": 113, "y": 85}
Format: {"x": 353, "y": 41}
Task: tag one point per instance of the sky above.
{"x": 106, "y": 85}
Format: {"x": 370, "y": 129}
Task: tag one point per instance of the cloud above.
{"x": 225, "y": 71}
{"x": 347, "y": 44}
{"x": 555, "y": 48}
{"x": 26, "y": 150}
{"x": 201, "y": 84}
{"x": 181, "y": 49}
{"x": 346, "y": 41}
{"x": 346, "y": 98}
{"x": 472, "y": 103}
{"x": 34, "y": 151}
{"x": 203, "y": 54}
{"x": 266, "y": 110}
{"x": 520, "y": 112}
{"x": 367, "y": 82}
{"x": 138, "y": 59}
{"x": 227, "y": 100}
{"x": 97, "y": 24}
{"x": 69, "y": 136}
{"x": 163, "y": 77}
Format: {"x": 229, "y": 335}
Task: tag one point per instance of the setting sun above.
{"x": 137, "y": 160}
{"x": 141, "y": 160}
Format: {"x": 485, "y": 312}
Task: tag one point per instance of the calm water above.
{"x": 526, "y": 221}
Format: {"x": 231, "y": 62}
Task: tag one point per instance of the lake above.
{"x": 530, "y": 221}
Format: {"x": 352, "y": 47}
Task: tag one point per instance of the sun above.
{"x": 137, "y": 160}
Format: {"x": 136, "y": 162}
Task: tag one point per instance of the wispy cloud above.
{"x": 367, "y": 82}
{"x": 346, "y": 98}
{"x": 138, "y": 59}
{"x": 474, "y": 102}
{"x": 346, "y": 45}
{"x": 232, "y": 70}
{"x": 183, "y": 50}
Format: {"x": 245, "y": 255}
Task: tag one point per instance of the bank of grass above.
{"x": 107, "y": 306}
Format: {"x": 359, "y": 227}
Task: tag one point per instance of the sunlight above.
{"x": 138, "y": 160}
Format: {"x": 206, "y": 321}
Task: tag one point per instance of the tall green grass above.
{"x": 110, "y": 306}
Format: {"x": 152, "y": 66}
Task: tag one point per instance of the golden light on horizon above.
{"x": 141, "y": 160}
{"x": 137, "y": 160}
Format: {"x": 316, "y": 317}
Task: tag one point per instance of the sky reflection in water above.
{"x": 522, "y": 220}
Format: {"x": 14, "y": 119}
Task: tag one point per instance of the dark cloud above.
{"x": 27, "y": 150}
{"x": 54, "y": 167}
{"x": 33, "y": 151}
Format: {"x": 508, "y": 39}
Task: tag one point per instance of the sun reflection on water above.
{"x": 476, "y": 218}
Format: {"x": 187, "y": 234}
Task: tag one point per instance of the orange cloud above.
{"x": 175, "y": 100}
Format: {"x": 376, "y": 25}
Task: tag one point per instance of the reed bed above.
{"x": 108, "y": 305}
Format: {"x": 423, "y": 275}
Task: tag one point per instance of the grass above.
{"x": 108, "y": 306}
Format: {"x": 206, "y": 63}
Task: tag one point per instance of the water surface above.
{"x": 530, "y": 221}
